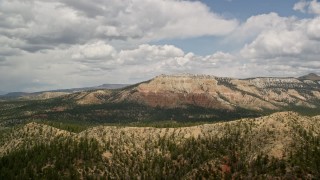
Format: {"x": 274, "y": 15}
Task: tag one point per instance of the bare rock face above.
{"x": 94, "y": 97}
{"x": 180, "y": 91}
{"x": 223, "y": 93}
{"x": 177, "y": 91}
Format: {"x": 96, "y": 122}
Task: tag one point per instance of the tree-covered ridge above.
{"x": 282, "y": 145}
{"x": 62, "y": 158}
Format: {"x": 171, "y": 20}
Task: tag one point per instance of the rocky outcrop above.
{"x": 91, "y": 97}
{"x": 223, "y": 93}
{"x": 180, "y": 91}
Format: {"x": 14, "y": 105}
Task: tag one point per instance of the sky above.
{"x": 54, "y": 44}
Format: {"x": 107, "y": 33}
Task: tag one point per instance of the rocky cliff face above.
{"x": 223, "y": 93}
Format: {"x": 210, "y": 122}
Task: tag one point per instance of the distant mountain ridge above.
{"x": 204, "y": 91}
{"x": 178, "y": 91}
{"x": 58, "y": 92}
{"x": 225, "y": 93}
{"x": 311, "y": 76}
{"x": 181, "y": 98}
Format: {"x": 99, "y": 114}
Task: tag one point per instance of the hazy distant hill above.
{"x": 2, "y": 93}
{"x": 58, "y": 92}
{"x": 103, "y": 86}
{"x": 311, "y": 76}
{"x": 14, "y": 94}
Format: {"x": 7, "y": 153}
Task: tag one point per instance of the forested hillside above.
{"x": 282, "y": 145}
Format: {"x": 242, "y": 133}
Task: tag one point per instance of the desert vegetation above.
{"x": 282, "y": 145}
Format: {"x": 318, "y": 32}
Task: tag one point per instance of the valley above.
{"x": 176, "y": 98}
{"x": 159, "y": 90}
{"x": 171, "y": 127}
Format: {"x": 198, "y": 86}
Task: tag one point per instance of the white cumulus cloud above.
{"x": 301, "y": 6}
{"x": 47, "y": 24}
{"x": 73, "y": 43}
{"x": 94, "y": 51}
{"x": 293, "y": 45}
{"x": 312, "y": 7}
